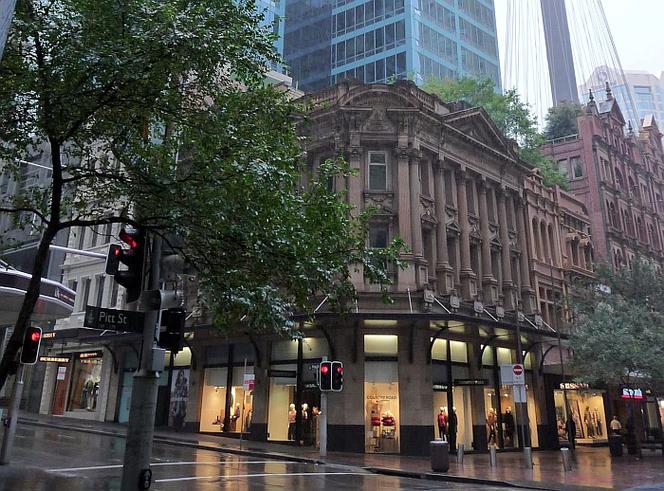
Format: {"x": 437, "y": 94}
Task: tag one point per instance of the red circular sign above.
{"x": 517, "y": 369}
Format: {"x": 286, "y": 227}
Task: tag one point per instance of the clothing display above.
{"x": 508, "y": 421}
{"x": 452, "y": 424}
{"x": 292, "y": 416}
{"x": 491, "y": 421}
{"x": 442, "y": 423}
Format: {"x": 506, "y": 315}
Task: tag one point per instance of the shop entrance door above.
{"x": 60, "y": 391}
{"x": 309, "y": 411}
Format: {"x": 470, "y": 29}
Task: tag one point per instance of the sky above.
{"x": 637, "y": 27}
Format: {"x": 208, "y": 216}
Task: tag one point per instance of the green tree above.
{"x": 156, "y": 114}
{"x": 618, "y": 332}
{"x": 561, "y": 120}
{"x": 511, "y": 115}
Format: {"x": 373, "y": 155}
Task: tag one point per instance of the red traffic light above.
{"x": 35, "y": 336}
{"x": 30, "y": 347}
{"x": 324, "y": 369}
{"x": 128, "y": 236}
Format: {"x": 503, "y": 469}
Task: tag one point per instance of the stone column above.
{"x": 507, "y": 286}
{"x": 444, "y": 278}
{"x": 527, "y": 293}
{"x": 406, "y": 275}
{"x": 467, "y": 275}
{"x": 355, "y": 198}
{"x": 415, "y": 205}
{"x": 488, "y": 281}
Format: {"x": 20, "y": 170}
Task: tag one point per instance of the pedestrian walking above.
{"x": 571, "y": 432}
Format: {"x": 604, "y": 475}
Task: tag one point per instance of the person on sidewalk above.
{"x": 615, "y": 426}
{"x": 571, "y": 432}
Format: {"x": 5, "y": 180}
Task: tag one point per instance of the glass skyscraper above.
{"x": 381, "y": 40}
{"x": 274, "y": 12}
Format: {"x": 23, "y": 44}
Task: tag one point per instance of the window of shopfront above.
{"x": 282, "y": 407}
{"x": 213, "y": 407}
{"x": 381, "y": 394}
{"x": 84, "y": 389}
{"x": 586, "y": 408}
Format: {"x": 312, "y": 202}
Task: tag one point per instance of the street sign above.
{"x": 113, "y": 319}
{"x": 520, "y": 394}
{"x": 518, "y": 374}
{"x": 249, "y": 381}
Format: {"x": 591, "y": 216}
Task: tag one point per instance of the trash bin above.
{"x": 440, "y": 456}
{"x": 616, "y": 445}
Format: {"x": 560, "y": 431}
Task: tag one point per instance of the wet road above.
{"x": 64, "y": 460}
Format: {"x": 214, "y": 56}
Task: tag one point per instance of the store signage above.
{"x": 470, "y": 381}
{"x": 441, "y": 387}
{"x": 310, "y": 385}
{"x": 62, "y": 373}
{"x": 54, "y": 359}
{"x": 632, "y": 394}
{"x": 49, "y": 335}
{"x": 249, "y": 381}
{"x": 90, "y": 354}
{"x": 282, "y": 373}
{"x": 574, "y": 386}
{"x": 113, "y": 319}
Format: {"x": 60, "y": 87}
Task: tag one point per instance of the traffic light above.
{"x": 337, "y": 376}
{"x": 172, "y": 339}
{"x": 133, "y": 257}
{"x": 31, "y": 343}
{"x": 325, "y": 376}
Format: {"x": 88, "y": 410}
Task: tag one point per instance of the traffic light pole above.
{"x": 12, "y": 417}
{"x": 323, "y": 421}
{"x": 136, "y": 472}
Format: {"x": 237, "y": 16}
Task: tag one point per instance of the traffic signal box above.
{"x": 337, "y": 376}
{"x": 172, "y": 339}
{"x": 31, "y": 344}
{"x": 133, "y": 257}
{"x": 325, "y": 376}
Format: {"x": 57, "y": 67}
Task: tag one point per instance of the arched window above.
{"x": 619, "y": 179}
{"x": 546, "y": 251}
{"x": 536, "y": 240}
{"x": 552, "y": 245}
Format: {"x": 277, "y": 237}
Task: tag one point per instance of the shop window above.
{"x": 459, "y": 351}
{"x": 586, "y": 408}
{"x": 380, "y": 345}
{"x": 241, "y": 401}
{"x": 487, "y": 356}
{"x": 314, "y": 348}
{"x": 85, "y": 294}
{"x": 439, "y": 350}
{"x": 182, "y": 358}
{"x": 213, "y": 402}
{"x": 504, "y": 356}
{"x": 85, "y": 382}
{"x": 377, "y": 171}
{"x": 282, "y": 412}
{"x": 382, "y": 418}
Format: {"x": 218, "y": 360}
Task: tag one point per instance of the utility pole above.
{"x": 323, "y": 421}
{"x": 136, "y": 473}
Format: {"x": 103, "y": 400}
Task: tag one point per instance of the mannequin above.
{"x": 292, "y": 416}
{"x": 508, "y": 419}
{"x": 375, "y": 418}
{"x": 452, "y": 424}
{"x": 306, "y": 424}
{"x": 587, "y": 421}
{"x": 442, "y": 423}
{"x": 491, "y": 426}
{"x": 234, "y": 417}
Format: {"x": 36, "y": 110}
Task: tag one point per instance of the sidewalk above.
{"x": 594, "y": 468}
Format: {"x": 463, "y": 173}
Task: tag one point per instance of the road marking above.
{"x": 284, "y": 474}
{"x": 155, "y": 464}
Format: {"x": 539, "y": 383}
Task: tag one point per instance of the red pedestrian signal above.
{"x": 31, "y": 344}
{"x": 325, "y": 376}
{"x": 132, "y": 277}
{"x": 337, "y": 376}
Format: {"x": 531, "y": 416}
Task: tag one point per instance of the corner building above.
{"x": 443, "y": 178}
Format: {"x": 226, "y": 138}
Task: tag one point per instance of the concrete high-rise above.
{"x": 380, "y": 40}
{"x": 559, "y": 51}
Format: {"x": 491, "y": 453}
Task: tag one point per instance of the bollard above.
{"x": 493, "y": 460}
{"x": 528, "y": 457}
{"x": 567, "y": 459}
{"x": 460, "y": 453}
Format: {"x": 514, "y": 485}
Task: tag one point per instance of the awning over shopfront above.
{"x": 56, "y": 301}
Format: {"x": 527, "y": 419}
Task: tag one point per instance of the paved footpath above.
{"x": 593, "y": 467}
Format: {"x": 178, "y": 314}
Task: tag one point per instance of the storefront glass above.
{"x": 282, "y": 411}
{"x": 213, "y": 403}
{"x": 85, "y": 382}
{"x": 241, "y": 401}
{"x": 587, "y": 411}
{"x": 381, "y": 393}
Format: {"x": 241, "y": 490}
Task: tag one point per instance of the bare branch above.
{"x": 26, "y": 209}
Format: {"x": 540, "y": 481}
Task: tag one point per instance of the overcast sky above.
{"x": 637, "y": 27}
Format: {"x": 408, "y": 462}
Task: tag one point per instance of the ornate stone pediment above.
{"x": 378, "y": 121}
{"x": 383, "y": 202}
{"x": 475, "y": 123}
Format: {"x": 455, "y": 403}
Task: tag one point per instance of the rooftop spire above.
{"x": 609, "y": 95}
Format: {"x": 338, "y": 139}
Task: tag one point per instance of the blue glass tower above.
{"x": 380, "y": 40}
{"x": 274, "y": 12}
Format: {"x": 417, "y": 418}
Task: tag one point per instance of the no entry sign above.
{"x": 518, "y": 374}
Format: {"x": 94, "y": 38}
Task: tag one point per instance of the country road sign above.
{"x": 113, "y": 319}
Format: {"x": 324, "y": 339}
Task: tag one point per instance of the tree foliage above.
{"x": 618, "y": 333}
{"x": 561, "y": 120}
{"x": 156, "y": 114}
{"x": 511, "y": 115}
